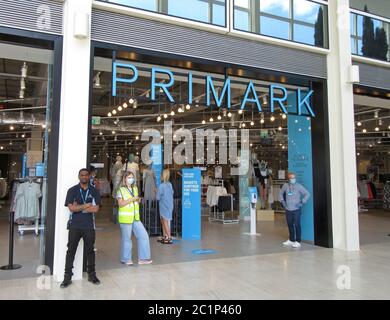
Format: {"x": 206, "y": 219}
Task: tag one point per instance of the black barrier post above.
{"x": 11, "y": 265}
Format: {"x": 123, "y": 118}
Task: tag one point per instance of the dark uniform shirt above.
{"x": 82, "y": 220}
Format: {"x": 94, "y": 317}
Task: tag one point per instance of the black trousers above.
{"x": 88, "y": 236}
{"x": 294, "y": 224}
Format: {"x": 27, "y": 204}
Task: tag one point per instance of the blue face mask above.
{"x": 293, "y": 181}
{"x": 130, "y": 180}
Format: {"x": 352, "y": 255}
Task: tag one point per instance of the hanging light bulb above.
{"x": 229, "y": 114}
{"x": 284, "y": 116}
{"x": 172, "y": 113}
{"x": 272, "y": 118}
{"x": 165, "y": 116}
{"x": 125, "y": 105}
{"x": 136, "y": 138}
{"x": 131, "y": 100}
{"x": 280, "y": 128}
{"x": 135, "y": 104}
{"x": 252, "y": 123}
{"x": 109, "y": 114}
{"x": 101, "y": 133}
{"x": 158, "y": 118}
{"x": 380, "y": 122}
{"x": 114, "y": 111}
{"x": 188, "y": 107}
{"x": 219, "y": 117}
{"x": 203, "y": 121}
{"x": 211, "y": 119}
{"x": 364, "y": 130}
{"x": 376, "y": 114}
{"x": 358, "y": 123}
{"x": 240, "y": 111}
{"x": 180, "y": 110}
{"x": 243, "y": 125}
{"x": 11, "y": 128}
{"x": 120, "y": 108}
{"x": 113, "y": 132}
{"x": 376, "y": 129}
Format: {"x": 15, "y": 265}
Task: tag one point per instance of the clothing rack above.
{"x": 34, "y": 227}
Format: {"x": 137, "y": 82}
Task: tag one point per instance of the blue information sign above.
{"x": 191, "y": 210}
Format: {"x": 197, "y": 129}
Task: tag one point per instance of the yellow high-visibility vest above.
{"x": 130, "y": 212}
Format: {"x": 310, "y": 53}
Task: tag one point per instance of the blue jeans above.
{"x": 126, "y": 243}
{"x": 294, "y": 224}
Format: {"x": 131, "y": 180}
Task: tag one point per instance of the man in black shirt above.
{"x": 83, "y": 201}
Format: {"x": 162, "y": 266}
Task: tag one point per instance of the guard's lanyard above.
{"x": 131, "y": 192}
{"x": 86, "y": 195}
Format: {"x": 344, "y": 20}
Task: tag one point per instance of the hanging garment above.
{"x": 225, "y": 203}
{"x": 213, "y": 193}
{"x": 370, "y": 194}
{"x": 27, "y": 201}
{"x": 386, "y": 195}
{"x": 149, "y": 185}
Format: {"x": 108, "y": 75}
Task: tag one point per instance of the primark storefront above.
{"x": 226, "y": 85}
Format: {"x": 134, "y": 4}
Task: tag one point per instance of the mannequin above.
{"x": 116, "y": 174}
{"x": 149, "y": 183}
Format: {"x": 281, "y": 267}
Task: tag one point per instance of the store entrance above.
{"x": 270, "y": 143}
{"x": 372, "y": 131}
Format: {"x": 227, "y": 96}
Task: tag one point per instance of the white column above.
{"x": 73, "y": 122}
{"x": 342, "y": 132}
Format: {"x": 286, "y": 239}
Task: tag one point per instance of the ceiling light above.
{"x": 43, "y": 126}
{"x": 211, "y": 119}
{"x": 219, "y": 117}
{"x": 262, "y": 120}
{"x": 358, "y": 154}
{"x": 24, "y": 69}
{"x": 165, "y": 116}
{"x": 158, "y": 119}
{"x": 240, "y": 111}
{"x": 229, "y": 114}
{"x": 113, "y": 111}
{"x": 21, "y": 94}
{"x": 358, "y": 123}
{"x": 370, "y": 146}
{"x": 188, "y": 107}
{"x": 120, "y": 108}
{"x": 1, "y": 148}
{"x": 284, "y": 116}
{"x": 22, "y": 84}
{"x": 136, "y": 138}
{"x": 265, "y": 100}
{"x": 243, "y": 125}
{"x": 251, "y": 144}
{"x": 125, "y": 105}
{"x": 101, "y": 133}
{"x": 376, "y": 114}
{"x": 180, "y": 110}
{"x": 364, "y": 130}
{"x": 272, "y": 118}
{"x": 113, "y": 132}
{"x": 280, "y": 128}
{"x": 135, "y": 105}
{"x": 252, "y": 123}
{"x": 131, "y": 100}
{"x": 109, "y": 114}
{"x": 376, "y": 129}
{"x": 380, "y": 122}
{"x": 11, "y": 128}
{"x": 203, "y": 121}
{"x": 23, "y": 135}
{"x": 172, "y": 113}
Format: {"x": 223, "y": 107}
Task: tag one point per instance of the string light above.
{"x": 165, "y": 116}
{"x": 364, "y": 130}
{"x": 211, "y": 119}
{"x": 240, "y": 111}
{"x": 358, "y": 123}
{"x": 252, "y": 123}
{"x": 109, "y": 114}
{"x": 120, "y": 108}
{"x": 203, "y": 121}
{"x": 158, "y": 119}
{"x": 219, "y": 117}
{"x": 114, "y": 112}
{"x": 188, "y": 107}
{"x": 272, "y": 118}
{"x": 284, "y": 116}
{"x": 229, "y": 114}
{"x": 172, "y": 113}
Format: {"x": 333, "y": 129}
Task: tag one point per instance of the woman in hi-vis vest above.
{"x": 129, "y": 221}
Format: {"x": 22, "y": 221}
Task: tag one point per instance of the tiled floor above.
{"x": 243, "y": 268}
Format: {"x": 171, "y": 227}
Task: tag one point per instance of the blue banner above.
{"x": 156, "y": 157}
{"x": 191, "y": 210}
{"x": 300, "y": 162}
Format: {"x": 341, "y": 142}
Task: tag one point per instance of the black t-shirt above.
{"x": 81, "y": 220}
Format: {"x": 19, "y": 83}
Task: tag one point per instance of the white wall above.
{"x": 341, "y": 128}
{"x": 73, "y": 127}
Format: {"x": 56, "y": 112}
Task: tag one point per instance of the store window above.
{"x": 377, "y": 7}
{"x": 300, "y": 21}
{"x": 136, "y": 94}
{"x": 207, "y": 11}
{"x": 25, "y": 112}
{"x": 370, "y": 37}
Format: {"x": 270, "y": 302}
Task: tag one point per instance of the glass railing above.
{"x": 206, "y": 11}
{"x": 370, "y": 37}
{"x": 300, "y": 21}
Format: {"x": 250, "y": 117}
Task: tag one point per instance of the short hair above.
{"x": 165, "y": 175}
{"x": 84, "y": 169}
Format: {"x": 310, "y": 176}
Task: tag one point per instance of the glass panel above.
{"x": 140, "y": 4}
{"x": 379, "y": 7}
{"x": 306, "y": 11}
{"x": 219, "y": 14}
{"x": 199, "y": 9}
{"x": 242, "y": 3}
{"x": 241, "y": 20}
{"x": 304, "y": 34}
{"x": 353, "y": 46}
{"x": 373, "y": 38}
{"x": 276, "y": 7}
{"x": 274, "y": 28}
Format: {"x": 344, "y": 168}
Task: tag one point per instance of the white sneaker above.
{"x": 288, "y": 243}
{"x": 296, "y": 245}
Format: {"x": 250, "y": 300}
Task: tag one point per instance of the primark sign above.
{"x": 303, "y": 97}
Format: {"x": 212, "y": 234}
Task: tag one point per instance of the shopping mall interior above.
{"x": 115, "y": 144}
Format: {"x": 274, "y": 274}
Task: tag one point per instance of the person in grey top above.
{"x": 293, "y": 196}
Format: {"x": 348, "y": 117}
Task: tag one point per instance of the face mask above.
{"x": 293, "y": 181}
{"x": 130, "y": 180}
